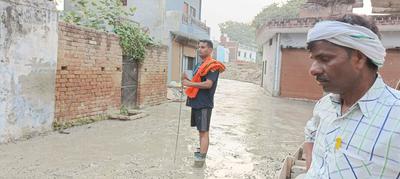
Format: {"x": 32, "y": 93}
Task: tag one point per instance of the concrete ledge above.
{"x": 132, "y": 115}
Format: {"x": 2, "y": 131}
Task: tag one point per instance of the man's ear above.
{"x": 360, "y": 59}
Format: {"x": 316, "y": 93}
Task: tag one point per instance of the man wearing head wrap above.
{"x": 355, "y": 129}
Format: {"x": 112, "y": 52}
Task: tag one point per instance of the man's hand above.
{"x": 184, "y": 77}
{"x": 185, "y": 82}
{"x": 201, "y": 85}
{"x": 308, "y": 147}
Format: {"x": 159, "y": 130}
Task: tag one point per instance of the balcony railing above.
{"x": 192, "y": 21}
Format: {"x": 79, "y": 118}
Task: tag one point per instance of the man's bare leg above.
{"x": 204, "y": 142}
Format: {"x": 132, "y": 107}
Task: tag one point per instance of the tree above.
{"x": 98, "y": 14}
{"x": 112, "y": 16}
{"x": 241, "y": 32}
{"x": 290, "y": 9}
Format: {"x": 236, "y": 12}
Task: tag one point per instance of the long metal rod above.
{"x": 179, "y": 124}
{"x": 180, "y": 105}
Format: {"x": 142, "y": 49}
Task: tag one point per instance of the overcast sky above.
{"x": 219, "y": 11}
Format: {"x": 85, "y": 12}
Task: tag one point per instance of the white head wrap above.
{"x": 351, "y": 36}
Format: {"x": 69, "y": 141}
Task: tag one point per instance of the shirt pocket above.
{"x": 360, "y": 159}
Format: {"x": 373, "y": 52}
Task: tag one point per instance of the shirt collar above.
{"x": 370, "y": 98}
{"x": 368, "y": 101}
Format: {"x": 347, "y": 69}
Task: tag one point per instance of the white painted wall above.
{"x": 151, "y": 14}
{"x": 28, "y": 56}
{"x": 269, "y": 55}
{"x": 298, "y": 40}
{"x": 391, "y": 39}
{"x": 226, "y": 58}
{"x": 294, "y": 40}
{"x": 246, "y": 55}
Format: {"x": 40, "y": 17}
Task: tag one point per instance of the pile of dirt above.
{"x": 243, "y": 71}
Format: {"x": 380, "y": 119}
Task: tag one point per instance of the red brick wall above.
{"x": 309, "y": 22}
{"x": 296, "y": 82}
{"x": 233, "y": 50}
{"x": 88, "y": 81}
{"x": 153, "y": 77}
{"x": 391, "y": 69}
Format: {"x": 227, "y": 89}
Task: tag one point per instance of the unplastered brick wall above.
{"x": 88, "y": 81}
{"x": 153, "y": 77}
{"x": 310, "y": 21}
{"x": 387, "y": 20}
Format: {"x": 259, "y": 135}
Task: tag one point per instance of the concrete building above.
{"x": 28, "y": 61}
{"x": 386, "y": 6}
{"x": 174, "y": 23}
{"x": 328, "y": 8}
{"x": 247, "y": 54}
{"x": 184, "y": 29}
{"x": 237, "y": 51}
{"x": 286, "y": 61}
{"x": 232, "y": 46}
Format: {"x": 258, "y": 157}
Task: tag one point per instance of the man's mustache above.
{"x": 322, "y": 79}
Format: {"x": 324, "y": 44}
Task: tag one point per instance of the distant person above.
{"x": 200, "y": 92}
{"x": 355, "y": 129}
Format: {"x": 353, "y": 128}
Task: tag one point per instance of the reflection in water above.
{"x": 250, "y": 133}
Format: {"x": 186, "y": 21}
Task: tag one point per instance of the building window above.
{"x": 191, "y": 63}
{"x": 185, "y": 17}
{"x": 239, "y": 53}
{"x": 192, "y": 12}
{"x": 270, "y": 42}
{"x": 250, "y": 55}
{"x": 245, "y": 54}
{"x": 265, "y": 67}
{"x": 186, "y": 8}
{"x": 124, "y": 2}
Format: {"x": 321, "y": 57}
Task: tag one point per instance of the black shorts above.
{"x": 201, "y": 119}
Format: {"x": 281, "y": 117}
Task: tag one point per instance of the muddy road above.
{"x": 251, "y": 133}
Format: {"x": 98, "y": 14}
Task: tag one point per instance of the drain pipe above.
{"x": 181, "y": 61}
{"x": 277, "y": 75}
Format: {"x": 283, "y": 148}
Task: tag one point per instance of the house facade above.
{"x": 174, "y": 23}
{"x": 286, "y": 61}
{"x": 220, "y": 53}
{"x": 232, "y": 46}
{"x": 177, "y": 24}
{"x": 247, "y": 54}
